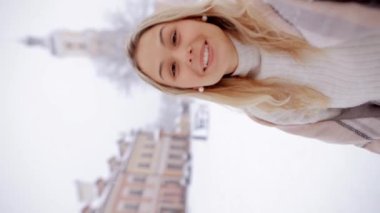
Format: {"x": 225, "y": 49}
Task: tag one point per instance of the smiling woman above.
{"x": 186, "y": 54}
{"x": 272, "y": 61}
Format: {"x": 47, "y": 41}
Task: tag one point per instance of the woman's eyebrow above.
{"x": 161, "y": 37}
{"x": 160, "y": 70}
{"x": 162, "y": 41}
{"x": 163, "y": 44}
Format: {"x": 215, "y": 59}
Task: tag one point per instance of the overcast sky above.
{"x": 247, "y": 168}
{"x": 60, "y": 121}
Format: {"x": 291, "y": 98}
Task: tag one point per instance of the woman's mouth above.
{"x": 206, "y": 56}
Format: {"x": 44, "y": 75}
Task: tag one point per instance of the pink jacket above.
{"x": 323, "y": 24}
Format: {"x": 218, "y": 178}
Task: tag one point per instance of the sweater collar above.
{"x": 248, "y": 56}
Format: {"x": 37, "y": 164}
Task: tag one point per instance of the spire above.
{"x": 35, "y": 41}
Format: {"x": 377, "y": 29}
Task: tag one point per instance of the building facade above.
{"x": 150, "y": 174}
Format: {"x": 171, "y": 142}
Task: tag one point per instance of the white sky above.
{"x": 59, "y": 122}
{"x": 247, "y": 168}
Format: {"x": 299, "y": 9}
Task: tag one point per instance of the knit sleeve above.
{"x": 328, "y": 23}
{"x": 358, "y": 132}
{"x": 293, "y": 117}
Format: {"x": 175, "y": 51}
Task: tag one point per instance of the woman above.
{"x": 272, "y": 61}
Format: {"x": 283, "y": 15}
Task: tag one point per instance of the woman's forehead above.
{"x": 167, "y": 23}
{"x": 148, "y": 52}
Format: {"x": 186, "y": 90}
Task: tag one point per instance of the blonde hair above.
{"x": 245, "y": 24}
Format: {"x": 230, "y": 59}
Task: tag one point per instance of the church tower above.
{"x": 88, "y": 43}
{"x": 106, "y": 48}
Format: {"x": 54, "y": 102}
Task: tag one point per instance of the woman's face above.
{"x": 186, "y": 54}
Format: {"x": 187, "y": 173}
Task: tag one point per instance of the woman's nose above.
{"x": 189, "y": 55}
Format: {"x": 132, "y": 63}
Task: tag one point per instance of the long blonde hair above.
{"x": 247, "y": 25}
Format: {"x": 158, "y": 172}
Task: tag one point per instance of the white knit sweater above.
{"x": 348, "y": 73}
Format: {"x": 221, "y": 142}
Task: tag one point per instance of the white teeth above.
{"x": 205, "y": 57}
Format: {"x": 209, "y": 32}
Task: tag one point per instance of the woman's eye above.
{"x": 174, "y": 38}
{"x": 173, "y": 69}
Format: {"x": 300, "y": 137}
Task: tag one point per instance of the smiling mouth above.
{"x": 205, "y": 56}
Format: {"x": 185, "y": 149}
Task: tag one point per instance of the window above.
{"x": 144, "y": 165}
{"x": 180, "y": 137}
{"x": 171, "y": 182}
{"x": 139, "y": 179}
{"x": 170, "y": 194}
{"x": 176, "y": 147}
{"x": 136, "y": 192}
{"x": 147, "y": 155}
{"x": 174, "y": 166}
{"x": 171, "y": 210}
{"x": 175, "y": 156}
{"x": 134, "y": 207}
{"x": 149, "y": 146}
{"x": 69, "y": 45}
{"x": 82, "y": 46}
